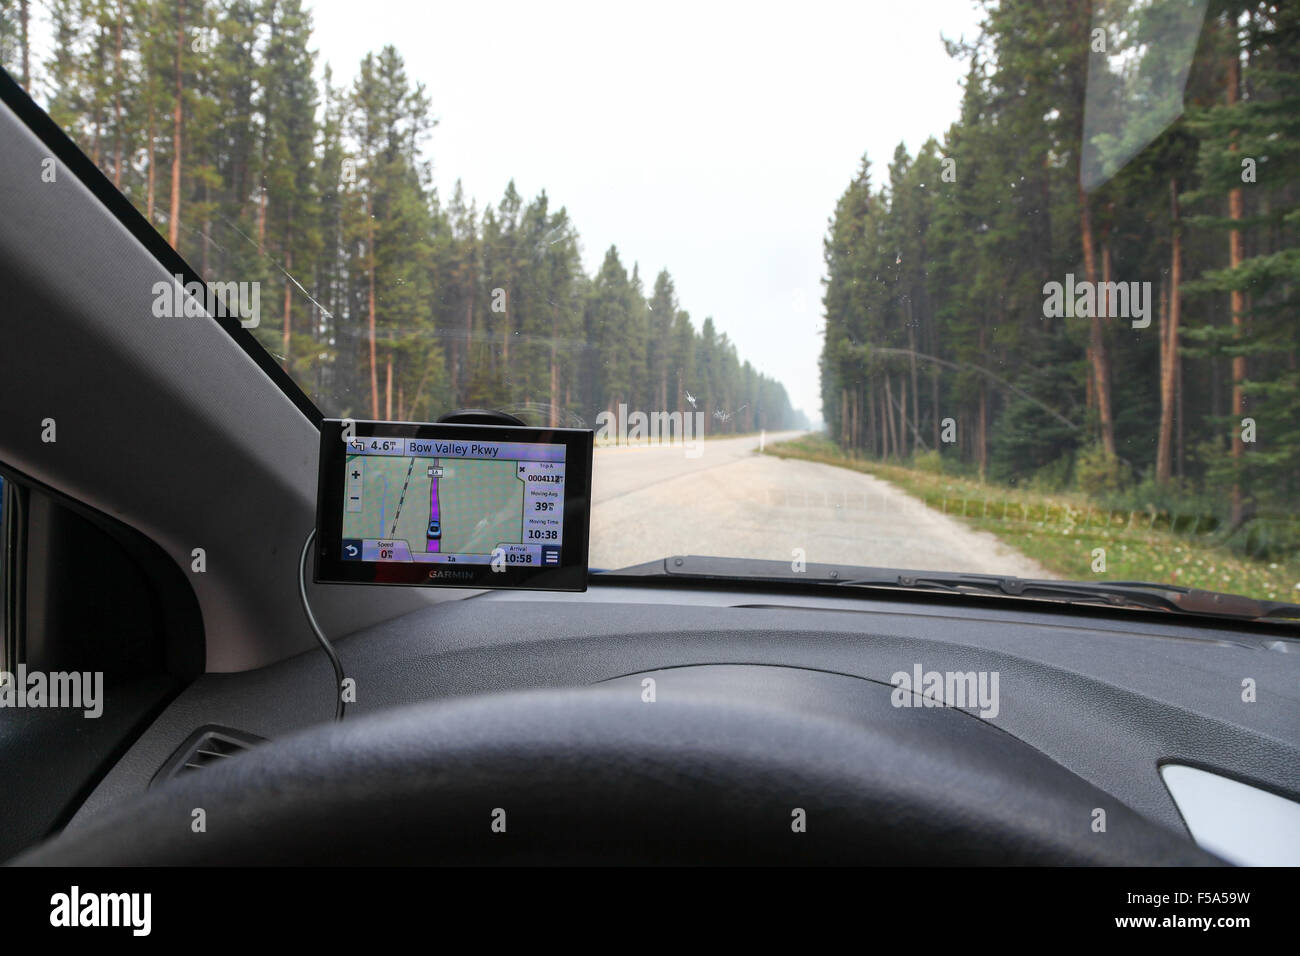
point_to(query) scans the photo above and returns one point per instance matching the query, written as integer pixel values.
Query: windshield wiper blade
(1143, 594)
(1165, 597)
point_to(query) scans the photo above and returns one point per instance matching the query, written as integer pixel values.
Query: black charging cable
(320, 635)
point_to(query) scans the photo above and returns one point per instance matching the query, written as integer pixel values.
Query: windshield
(1001, 287)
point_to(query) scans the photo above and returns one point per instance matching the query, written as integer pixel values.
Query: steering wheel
(600, 775)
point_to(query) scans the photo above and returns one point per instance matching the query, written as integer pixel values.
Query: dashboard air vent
(206, 747)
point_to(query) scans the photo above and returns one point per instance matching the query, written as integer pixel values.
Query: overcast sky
(712, 139)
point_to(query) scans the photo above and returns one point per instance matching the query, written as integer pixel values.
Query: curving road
(651, 502)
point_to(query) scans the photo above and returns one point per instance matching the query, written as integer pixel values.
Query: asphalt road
(724, 498)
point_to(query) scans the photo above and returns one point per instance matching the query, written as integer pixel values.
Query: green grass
(1060, 531)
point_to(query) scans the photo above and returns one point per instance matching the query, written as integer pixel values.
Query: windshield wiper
(1141, 594)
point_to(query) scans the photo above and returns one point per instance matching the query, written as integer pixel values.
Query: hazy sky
(709, 138)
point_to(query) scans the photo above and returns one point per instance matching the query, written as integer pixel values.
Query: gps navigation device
(453, 505)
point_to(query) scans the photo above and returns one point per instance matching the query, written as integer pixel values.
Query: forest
(1153, 145)
(380, 297)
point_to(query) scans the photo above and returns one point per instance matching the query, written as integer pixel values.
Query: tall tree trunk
(1097, 340)
(453, 366)
(174, 225)
(469, 333)
(374, 360)
(117, 97)
(505, 336)
(854, 407)
(886, 420)
(95, 107)
(916, 390)
(876, 402)
(388, 390)
(982, 450)
(862, 411)
(846, 425)
(288, 266)
(934, 401)
(872, 429)
(268, 111)
(1238, 304)
(982, 427)
(26, 42)
(889, 415)
(1169, 361)
(902, 417)
(153, 135)
(555, 371)
(261, 221)
(1179, 417)
(876, 399)
(207, 227)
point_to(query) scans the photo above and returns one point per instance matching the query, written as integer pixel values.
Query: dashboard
(1110, 699)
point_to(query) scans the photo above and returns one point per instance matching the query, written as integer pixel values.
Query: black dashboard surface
(1108, 697)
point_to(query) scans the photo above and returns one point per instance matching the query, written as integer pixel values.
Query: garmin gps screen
(453, 505)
